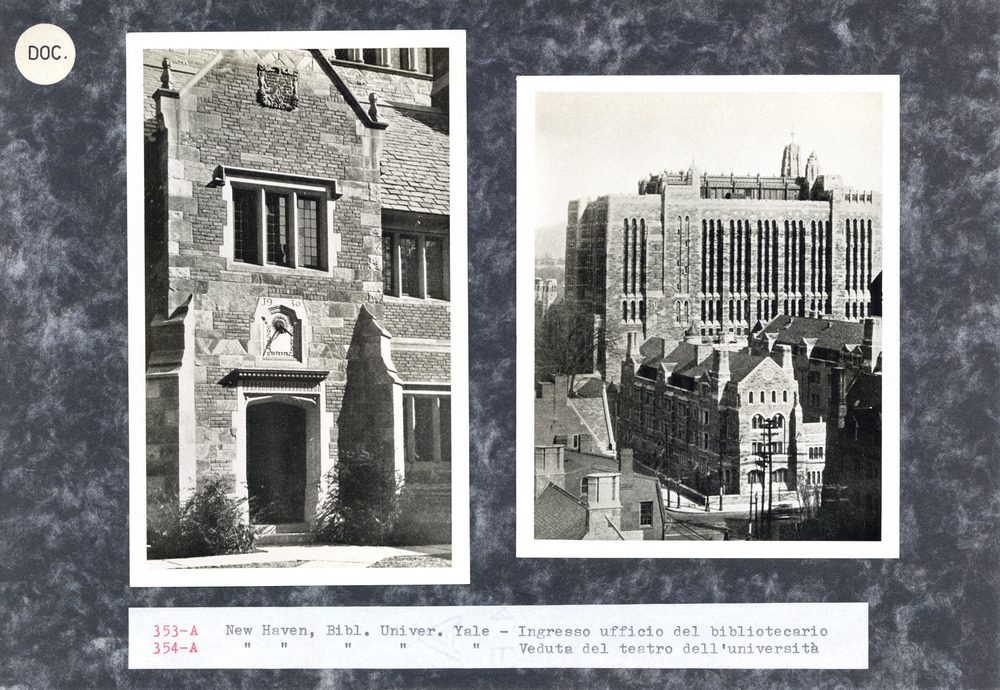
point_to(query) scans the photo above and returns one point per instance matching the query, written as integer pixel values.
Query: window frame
(264, 185)
(427, 416)
(421, 228)
(645, 514)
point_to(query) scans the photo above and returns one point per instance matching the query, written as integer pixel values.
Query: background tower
(790, 159)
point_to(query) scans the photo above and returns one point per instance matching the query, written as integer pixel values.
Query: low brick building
(297, 273)
(581, 495)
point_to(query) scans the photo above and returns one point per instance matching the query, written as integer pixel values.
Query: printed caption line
(824, 635)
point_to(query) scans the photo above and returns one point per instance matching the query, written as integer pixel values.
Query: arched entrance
(276, 462)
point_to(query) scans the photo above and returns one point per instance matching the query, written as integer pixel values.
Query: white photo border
(527, 89)
(141, 575)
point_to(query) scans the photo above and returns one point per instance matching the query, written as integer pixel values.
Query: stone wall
(221, 123)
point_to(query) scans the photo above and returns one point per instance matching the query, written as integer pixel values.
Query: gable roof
(829, 334)
(415, 152)
(741, 362)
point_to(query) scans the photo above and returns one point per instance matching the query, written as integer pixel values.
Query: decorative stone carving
(277, 88)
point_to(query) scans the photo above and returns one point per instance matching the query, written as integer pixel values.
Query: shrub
(210, 523)
(362, 503)
(163, 523)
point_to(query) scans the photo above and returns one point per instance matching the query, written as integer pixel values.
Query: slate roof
(559, 515)
(416, 365)
(415, 172)
(588, 387)
(741, 363)
(829, 334)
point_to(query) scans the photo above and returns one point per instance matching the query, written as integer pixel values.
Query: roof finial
(165, 75)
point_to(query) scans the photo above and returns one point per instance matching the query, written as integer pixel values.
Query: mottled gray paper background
(64, 590)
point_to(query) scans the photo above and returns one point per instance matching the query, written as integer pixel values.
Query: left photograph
(298, 309)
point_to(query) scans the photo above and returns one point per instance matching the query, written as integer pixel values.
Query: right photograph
(713, 331)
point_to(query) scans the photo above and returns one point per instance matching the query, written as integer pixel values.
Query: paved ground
(738, 505)
(306, 556)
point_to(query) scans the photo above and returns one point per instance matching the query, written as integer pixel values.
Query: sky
(592, 144)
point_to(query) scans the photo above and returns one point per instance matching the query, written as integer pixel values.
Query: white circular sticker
(44, 53)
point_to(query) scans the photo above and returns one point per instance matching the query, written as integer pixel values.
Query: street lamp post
(769, 432)
(722, 445)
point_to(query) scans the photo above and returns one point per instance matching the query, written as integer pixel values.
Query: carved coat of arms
(277, 88)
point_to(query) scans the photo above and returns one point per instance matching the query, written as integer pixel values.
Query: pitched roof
(588, 462)
(559, 515)
(828, 333)
(741, 363)
(591, 413)
(415, 173)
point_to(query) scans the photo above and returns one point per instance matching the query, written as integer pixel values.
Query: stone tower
(790, 159)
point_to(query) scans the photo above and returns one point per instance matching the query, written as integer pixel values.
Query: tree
(567, 343)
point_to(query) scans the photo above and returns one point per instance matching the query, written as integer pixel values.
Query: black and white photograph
(645, 344)
(297, 325)
(708, 317)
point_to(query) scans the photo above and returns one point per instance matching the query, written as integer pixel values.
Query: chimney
(604, 508)
(784, 358)
(625, 459)
(549, 467)
(872, 342)
(838, 395)
(585, 443)
(544, 390)
(440, 87)
(561, 390)
(720, 367)
(792, 448)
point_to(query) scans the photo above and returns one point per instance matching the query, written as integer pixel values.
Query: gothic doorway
(276, 462)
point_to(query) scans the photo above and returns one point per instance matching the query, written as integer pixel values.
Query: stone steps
(284, 534)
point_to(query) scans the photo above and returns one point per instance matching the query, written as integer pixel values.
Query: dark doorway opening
(276, 463)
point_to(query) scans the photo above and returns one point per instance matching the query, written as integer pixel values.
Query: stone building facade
(699, 415)
(818, 347)
(297, 273)
(720, 252)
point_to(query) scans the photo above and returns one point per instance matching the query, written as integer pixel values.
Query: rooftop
(415, 171)
(829, 334)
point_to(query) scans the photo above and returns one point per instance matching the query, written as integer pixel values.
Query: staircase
(284, 534)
